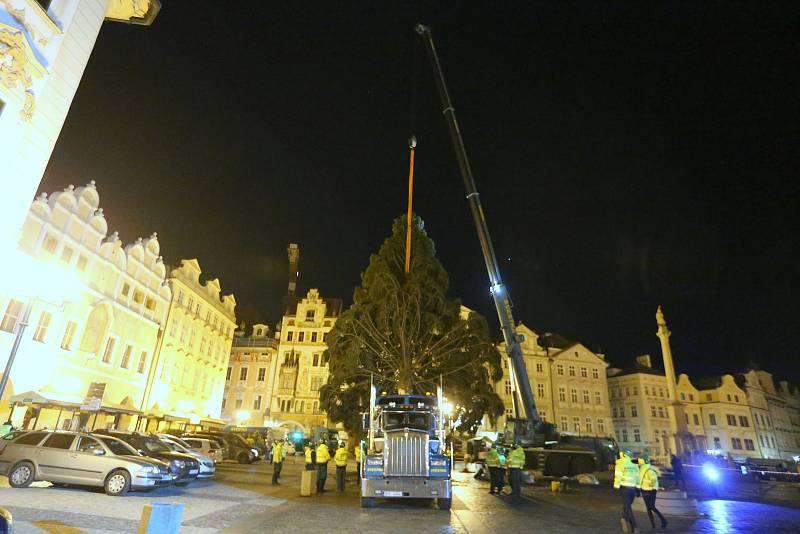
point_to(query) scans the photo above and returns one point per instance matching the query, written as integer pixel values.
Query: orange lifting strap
(412, 143)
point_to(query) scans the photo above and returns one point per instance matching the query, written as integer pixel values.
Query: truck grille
(405, 454)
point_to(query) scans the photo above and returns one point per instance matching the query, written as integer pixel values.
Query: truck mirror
(365, 421)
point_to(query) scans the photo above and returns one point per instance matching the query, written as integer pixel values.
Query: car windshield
(117, 446)
(153, 445)
(175, 446)
(179, 441)
(14, 434)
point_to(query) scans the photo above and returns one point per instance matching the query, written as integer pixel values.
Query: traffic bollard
(161, 518)
(308, 483)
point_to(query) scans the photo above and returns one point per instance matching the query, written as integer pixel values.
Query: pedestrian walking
(340, 458)
(310, 457)
(626, 479)
(357, 452)
(648, 481)
(516, 462)
(677, 471)
(323, 456)
(493, 463)
(277, 462)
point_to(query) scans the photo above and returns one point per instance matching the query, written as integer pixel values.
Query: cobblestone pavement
(242, 500)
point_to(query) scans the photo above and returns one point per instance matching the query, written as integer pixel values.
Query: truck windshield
(394, 420)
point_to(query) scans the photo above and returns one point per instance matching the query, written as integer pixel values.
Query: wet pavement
(242, 500)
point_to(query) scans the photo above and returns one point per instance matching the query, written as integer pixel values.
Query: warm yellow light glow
(447, 408)
(27, 276)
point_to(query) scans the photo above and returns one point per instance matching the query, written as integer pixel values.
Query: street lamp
(36, 280)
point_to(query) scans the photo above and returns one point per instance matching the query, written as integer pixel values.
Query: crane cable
(412, 144)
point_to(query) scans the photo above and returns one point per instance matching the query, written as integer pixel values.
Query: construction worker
(493, 463)
(648, 477)
(310, 456)
(323, 457)
(277, 461)
(340, 458)
(516, 462)
(626, 478)
(357, 452)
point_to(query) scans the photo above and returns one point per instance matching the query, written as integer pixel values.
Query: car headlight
(150, 469)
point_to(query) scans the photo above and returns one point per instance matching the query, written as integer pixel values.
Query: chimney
(644, 361)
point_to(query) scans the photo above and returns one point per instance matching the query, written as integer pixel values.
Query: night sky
(626, 156)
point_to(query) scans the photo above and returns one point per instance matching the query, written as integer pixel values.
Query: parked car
(209, 447)
(78, 458)
(237, 448)
(183, 467)
(207, 468)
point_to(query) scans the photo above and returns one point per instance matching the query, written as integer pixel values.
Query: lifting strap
(412, 143)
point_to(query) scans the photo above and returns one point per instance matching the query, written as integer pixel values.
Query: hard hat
(644, 459)
(627, 452)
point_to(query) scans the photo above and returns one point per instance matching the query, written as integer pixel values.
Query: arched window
(96, 327)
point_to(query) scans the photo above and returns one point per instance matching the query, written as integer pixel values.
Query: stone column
(677, 421)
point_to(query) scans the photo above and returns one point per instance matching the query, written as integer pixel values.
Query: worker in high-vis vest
(340, 459)
(310, 456)
(626, 479)
(277, 461)
(357, 453)
(323, 457)
(493, 463)
(515, 463)
(648, 477)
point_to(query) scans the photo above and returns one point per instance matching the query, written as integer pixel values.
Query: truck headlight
(439, 463)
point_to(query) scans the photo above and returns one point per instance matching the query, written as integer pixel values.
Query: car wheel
(117, 483)
(444, 504)
(21, 475)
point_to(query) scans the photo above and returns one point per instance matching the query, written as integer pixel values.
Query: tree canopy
(404, 332)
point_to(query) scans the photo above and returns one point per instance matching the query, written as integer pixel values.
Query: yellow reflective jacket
(323, 456)
(340, 457)
(277, 453)
(516, 458)
(357, 453)
(626, 473)
(492, 458)
(649, 477)
(309, 459)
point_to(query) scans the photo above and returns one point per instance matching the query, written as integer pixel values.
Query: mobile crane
(544, 449)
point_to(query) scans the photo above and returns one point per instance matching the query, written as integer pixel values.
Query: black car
(183, 467)
(236, 448)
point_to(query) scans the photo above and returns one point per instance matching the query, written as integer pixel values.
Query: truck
(545, 450)
(405, 455)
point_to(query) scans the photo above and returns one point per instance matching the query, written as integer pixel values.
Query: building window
(627, 391)
(289, 335)
(731, 419)
(562, 395)
(228, 374)
(316, 383)
(622, 411)
(13, 312)
(507, 385)
(238, 403)
(586, 396)
(636, 435)
(126, 289)
(595, 374)
(736, 443)
(262, 373)
(597, 398)
(142, 362)
(560, 369)
(126, 357)
(539, 368)
(257, 403)
(743, 421)
(614, 412)
(661, 412)
(574, 395)
(635, 390)
(601, 427)
(243, 373)
(41, 328)
(646, 390)
(634, 413)
(660, 392)
(287, 380)
(313, 337)
(571, 370)
(309, 315)
(109, 350)
(589, 427)
(749, 445)
(584, 372)
(150, 303)
(540, 390)
(81, 263)
(69, 335)
(315, 407)
(625, 434)
(717, 444)
(564, 424)
(712, 419)
(576, 424)
(138, 296)
(315, 361)
(66, 254)
(50, 244)
(301, 336)
(691, 397)
(682, 396)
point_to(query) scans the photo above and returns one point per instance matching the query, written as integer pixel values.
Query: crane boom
(502, 301)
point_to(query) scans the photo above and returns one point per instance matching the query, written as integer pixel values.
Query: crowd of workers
(317, 458)
(636, 477)
(497, 463)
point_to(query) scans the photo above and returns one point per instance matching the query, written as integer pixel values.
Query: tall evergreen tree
(404, 332)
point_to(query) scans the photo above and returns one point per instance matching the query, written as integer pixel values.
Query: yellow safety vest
(340, 457)
(277, 453)
(322, 454)
(649, 477)
(492, 458)
(516, 460)
(309, 460)
(626, 473)
(357, 452)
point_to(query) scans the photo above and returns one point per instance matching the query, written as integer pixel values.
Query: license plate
(193, 472)
(392, 493)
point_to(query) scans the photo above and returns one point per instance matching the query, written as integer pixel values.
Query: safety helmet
(644, 459)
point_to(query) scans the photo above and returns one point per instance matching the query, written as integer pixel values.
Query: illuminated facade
(250, 378)
(44, 48)
(192, 356)
(297, 368)
(106, 335)
(568, 385)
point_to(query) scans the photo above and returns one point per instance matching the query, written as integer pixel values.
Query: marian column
(677, 419)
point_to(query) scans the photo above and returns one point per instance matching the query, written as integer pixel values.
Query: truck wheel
(444, 504)
(367, 502)
(21, 475)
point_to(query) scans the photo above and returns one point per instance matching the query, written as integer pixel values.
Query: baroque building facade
(250, 379)
(568, 382)
(44, 48)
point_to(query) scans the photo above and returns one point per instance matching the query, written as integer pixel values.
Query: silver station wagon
(81, 459)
